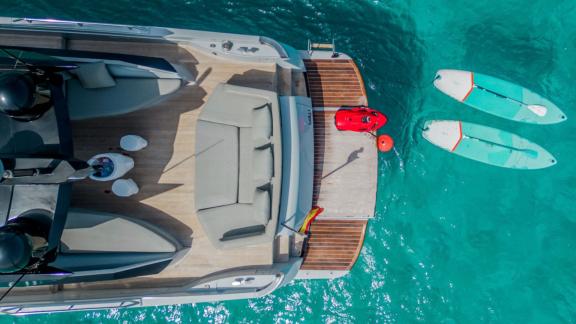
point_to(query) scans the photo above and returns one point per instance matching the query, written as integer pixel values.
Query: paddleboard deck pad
(498, 97)
(488, 145)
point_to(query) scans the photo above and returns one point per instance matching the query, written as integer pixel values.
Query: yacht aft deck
(165, 172)
(337, 237)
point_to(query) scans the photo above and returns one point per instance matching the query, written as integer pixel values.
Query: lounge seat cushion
(92, 231)
(262, 206)
(127, 96)
(128, 71)
(263, 164)
(94, 76)
(232, 107)
(233, 226)
(245, 177)
(262, 124)
(217, 157)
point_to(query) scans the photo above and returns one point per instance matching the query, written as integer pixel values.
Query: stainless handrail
(21, 310)
(279, 48)
(77, 25)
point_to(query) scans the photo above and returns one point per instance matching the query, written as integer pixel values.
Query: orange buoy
(385, 143)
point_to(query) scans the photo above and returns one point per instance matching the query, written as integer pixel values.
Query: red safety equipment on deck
(359, 119)
(385, 143)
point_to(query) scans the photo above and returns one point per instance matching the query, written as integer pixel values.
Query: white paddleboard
(486, 144)
(498, 97)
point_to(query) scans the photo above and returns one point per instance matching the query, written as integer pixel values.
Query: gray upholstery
(217, 157)
(245, 174)
(127, 96)
(263, 164)
(126, 71)
(100, 90)
(261, 205)
(94, 76)
(262, 125)
(92, 231)
(239, 221)
(233, 224)
(232, 108)
(235, 167)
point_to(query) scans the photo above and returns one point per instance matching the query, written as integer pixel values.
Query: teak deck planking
(333, 244)
(344, 163)
(334, 83)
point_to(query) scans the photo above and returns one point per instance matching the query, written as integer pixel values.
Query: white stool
(125, 187)
(133, 143)
(115, 165)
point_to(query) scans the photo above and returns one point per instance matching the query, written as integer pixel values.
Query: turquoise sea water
(453, 241)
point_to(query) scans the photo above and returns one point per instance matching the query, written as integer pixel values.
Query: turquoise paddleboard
(498, 97)
(487, 145)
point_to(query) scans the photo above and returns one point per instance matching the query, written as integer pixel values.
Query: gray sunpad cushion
(219, 220)
(246, 220)
(217, 158)
(261, 124)
(262, 206)
(246, 174)
(263, 164)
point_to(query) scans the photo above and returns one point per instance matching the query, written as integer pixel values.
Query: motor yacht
(146, 166)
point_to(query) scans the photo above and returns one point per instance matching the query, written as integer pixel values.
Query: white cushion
(262, 207)
(261, 124)
(217, 165)
(94, 76)
(245, 178)
(263, 165)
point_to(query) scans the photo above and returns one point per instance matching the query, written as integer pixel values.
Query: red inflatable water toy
(359, 119)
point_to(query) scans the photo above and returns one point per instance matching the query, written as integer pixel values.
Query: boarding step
(333, 244)
(330, 47)
(334, 83)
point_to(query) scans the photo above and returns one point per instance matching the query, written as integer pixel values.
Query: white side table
(125, 187)
(133, 143)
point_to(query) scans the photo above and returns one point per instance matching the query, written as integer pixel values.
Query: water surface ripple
(453, 241)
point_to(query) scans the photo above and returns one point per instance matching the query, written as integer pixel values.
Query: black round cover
(17, 93)
(15, 250)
